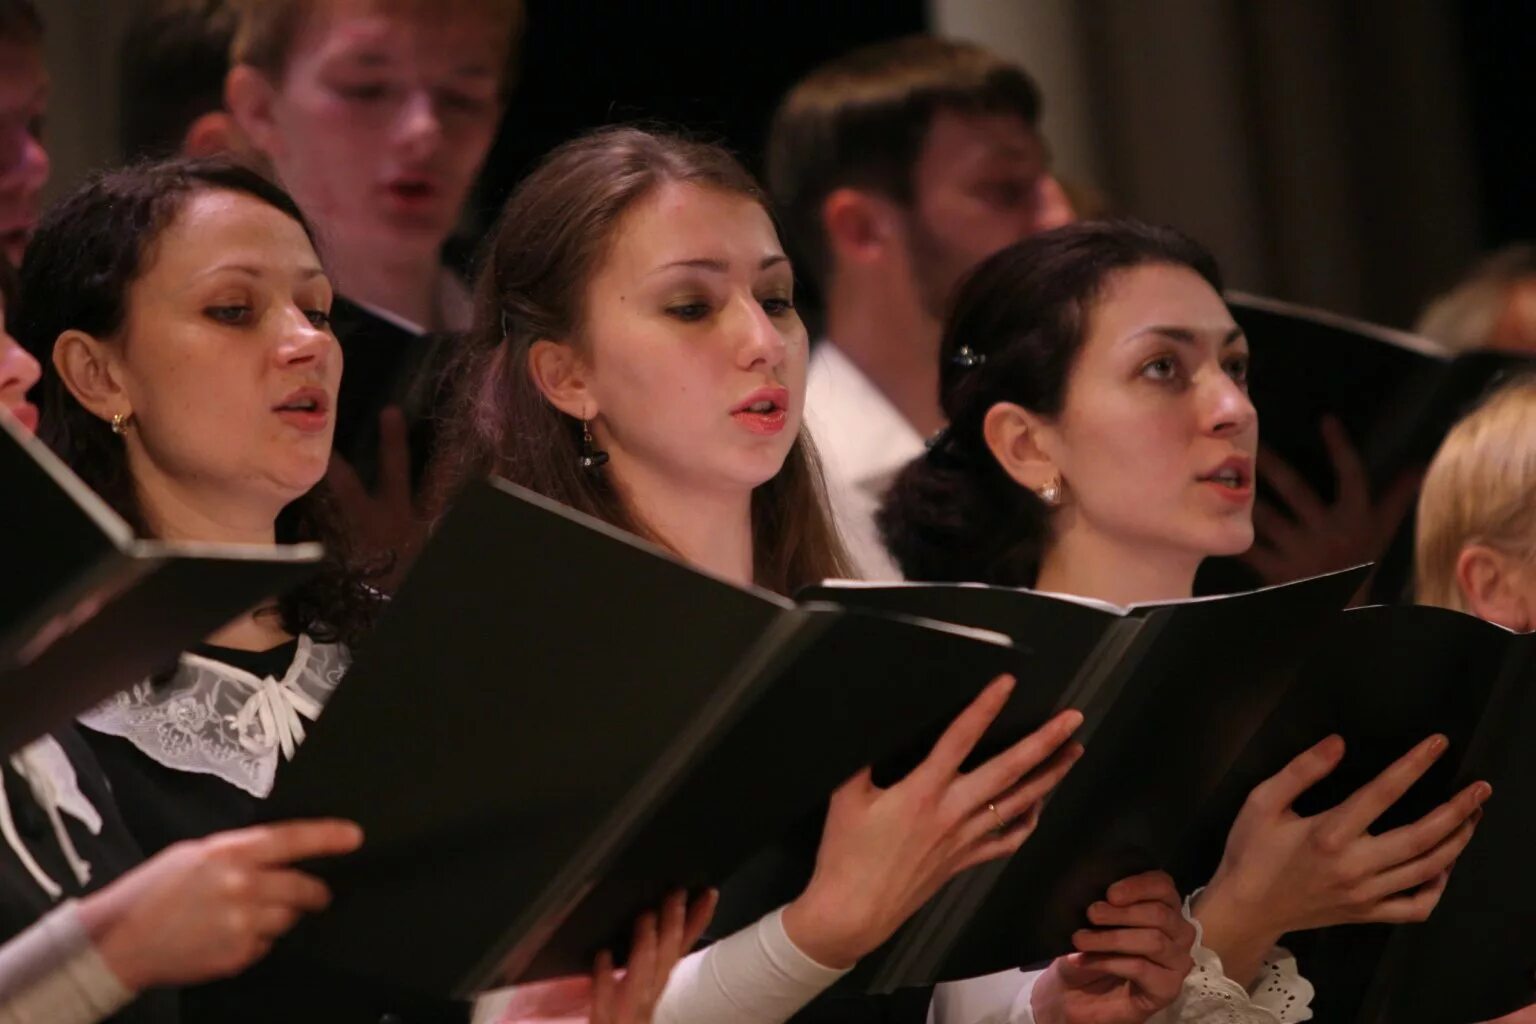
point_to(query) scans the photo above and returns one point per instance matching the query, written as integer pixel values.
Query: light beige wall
(1322, 149)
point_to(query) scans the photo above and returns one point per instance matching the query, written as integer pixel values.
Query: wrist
(1237, 930)
(99, 915)
(812, 924)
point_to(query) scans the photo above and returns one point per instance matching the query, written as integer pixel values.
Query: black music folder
(555, 724)
(1170, 695)
(1385, 678)
(87, 610)
(388, 363)
(1395, 394)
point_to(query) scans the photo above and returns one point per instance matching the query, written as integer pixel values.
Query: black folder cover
(1385, 679)
(1396, 395)
(86, 609)
(556, 723)
(1170, 695)
(387, 364)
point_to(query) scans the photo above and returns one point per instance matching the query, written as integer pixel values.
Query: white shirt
(864, 442)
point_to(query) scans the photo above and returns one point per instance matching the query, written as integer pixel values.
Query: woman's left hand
(619, 997)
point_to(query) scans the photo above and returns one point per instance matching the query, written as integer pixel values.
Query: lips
(1233, 476)
(25, 414)
(308, 409)
(764, 411)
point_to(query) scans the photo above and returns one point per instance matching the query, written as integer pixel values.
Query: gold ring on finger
(1002, 826)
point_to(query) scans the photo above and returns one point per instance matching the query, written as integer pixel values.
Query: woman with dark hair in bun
(1101, 443)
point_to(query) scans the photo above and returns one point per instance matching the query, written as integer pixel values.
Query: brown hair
(1480, 489)
(268, 29)
(547, 246)
(1465, 318)
(861, 120)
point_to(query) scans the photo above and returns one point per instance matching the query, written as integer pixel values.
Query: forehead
(959, 141)
(215, 227)
(23, 79)
(682, 221)
(1157, 294)
(467, 32)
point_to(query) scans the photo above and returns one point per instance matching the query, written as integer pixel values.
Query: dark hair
(20, 23)
(1022, 318)
(174, 58)
(861, 120)
(547, 246)
(9, 288)
(81, 265)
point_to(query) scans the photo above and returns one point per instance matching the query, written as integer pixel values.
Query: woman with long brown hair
(637, 356)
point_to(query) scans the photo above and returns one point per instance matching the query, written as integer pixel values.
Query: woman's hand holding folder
(629, 996)
(1130, 965)
(1283, 872)
(885, 852)
(209, 908)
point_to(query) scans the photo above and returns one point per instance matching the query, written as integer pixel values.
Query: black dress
(164, 804)
(109, 853)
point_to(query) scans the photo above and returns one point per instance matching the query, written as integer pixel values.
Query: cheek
(1126, 460)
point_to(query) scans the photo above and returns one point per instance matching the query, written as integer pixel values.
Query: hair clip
(967, 358)
(939, 437)
(506, 325)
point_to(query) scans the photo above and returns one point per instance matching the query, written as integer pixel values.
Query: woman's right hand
(209, 908)
(884, 852)
(1283, 872)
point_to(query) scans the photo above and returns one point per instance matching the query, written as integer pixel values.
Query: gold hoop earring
(120, 423)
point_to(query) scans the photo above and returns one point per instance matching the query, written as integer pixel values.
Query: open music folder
(1386, 678)
(87, 609)
(1396, 395)
(555, 724)
(1170, 693)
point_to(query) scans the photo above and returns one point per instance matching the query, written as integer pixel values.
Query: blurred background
(1350, 154)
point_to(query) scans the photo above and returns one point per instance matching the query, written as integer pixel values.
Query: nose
(760, 343)
(24, 164)
(19, 372)
(1053, 208)
(1226, 409)
(304, 345)
(419, 129)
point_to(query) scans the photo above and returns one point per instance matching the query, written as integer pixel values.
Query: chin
(1232, 541)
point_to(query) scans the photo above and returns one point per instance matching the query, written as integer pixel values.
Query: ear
(859, 225)
(250, 96)
(561, 377)
(89, 370)
(1494, 587)
(1019, 441)
(212, 134)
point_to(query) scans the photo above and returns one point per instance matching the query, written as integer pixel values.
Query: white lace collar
(216, 719)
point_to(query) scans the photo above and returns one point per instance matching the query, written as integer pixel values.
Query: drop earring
(592, 458)
(1051, 493)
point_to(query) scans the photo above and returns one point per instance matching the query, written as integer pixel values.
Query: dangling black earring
(591, 457)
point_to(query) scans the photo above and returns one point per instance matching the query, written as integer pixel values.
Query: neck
(710, 530)
(406, 286)
(174, 513)
(893, 341)
(178, 514)
(1086, 564)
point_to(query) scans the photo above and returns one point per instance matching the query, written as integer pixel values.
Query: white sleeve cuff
(1001, 998)
(52, 973)
(1280, 996)
(756, 976)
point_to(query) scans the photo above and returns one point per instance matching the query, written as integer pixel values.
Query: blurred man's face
(383, 120)
(23, 161)
(982, 182)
